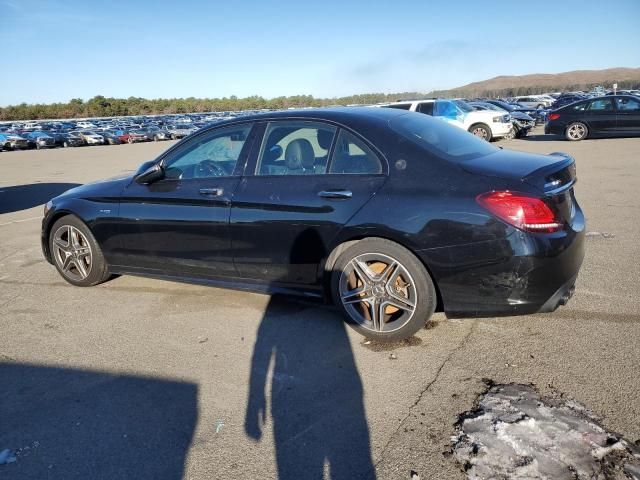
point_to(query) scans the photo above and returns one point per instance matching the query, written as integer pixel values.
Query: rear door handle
(335, 194)
(212, 192)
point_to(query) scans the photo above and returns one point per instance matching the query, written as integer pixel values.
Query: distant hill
(511, 85)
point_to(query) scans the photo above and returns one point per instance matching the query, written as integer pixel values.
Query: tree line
(100, 106)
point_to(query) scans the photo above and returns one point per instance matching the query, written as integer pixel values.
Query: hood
(110, 187)
(521, 116)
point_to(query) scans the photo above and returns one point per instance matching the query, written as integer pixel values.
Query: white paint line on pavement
(20, 221)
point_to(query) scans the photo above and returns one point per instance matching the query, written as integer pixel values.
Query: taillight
(554, 116)
(521, 211)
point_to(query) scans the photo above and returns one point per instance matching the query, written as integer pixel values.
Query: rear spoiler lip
(564, 161)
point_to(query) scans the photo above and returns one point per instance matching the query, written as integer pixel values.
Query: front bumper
(499, 129)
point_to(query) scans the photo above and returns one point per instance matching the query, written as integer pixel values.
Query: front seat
(299, 157)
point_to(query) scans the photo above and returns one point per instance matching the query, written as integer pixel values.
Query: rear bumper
(554, 129)
(521, 274)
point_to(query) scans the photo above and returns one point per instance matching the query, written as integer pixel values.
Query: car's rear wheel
(481, 130)
(76, 253)
(382, 289)
(576, 131)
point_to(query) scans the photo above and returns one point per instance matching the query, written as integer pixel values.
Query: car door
(600, 115)
(179, 225)
(628, 115)
(308, 179)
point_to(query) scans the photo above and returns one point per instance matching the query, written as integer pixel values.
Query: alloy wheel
(72, 252)
(576, 131)
(480, 132)
(378, 292)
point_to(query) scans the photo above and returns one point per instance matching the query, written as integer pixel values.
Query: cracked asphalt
(141, 378)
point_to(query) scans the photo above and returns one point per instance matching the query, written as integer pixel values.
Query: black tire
(129, 140)
(65, 144)
(422, 295)
(481, 130)
(98, 270)
(576, 131)
(539, 106)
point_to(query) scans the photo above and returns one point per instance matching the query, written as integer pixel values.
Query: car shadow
(23, 197)
(315, 394)
(543, 138)
(79, 424)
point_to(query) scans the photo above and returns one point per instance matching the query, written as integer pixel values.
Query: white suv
(482, 123)
(533, 101)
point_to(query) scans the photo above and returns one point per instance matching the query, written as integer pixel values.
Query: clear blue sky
(55, 50)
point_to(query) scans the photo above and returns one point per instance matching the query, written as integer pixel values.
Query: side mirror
(152, 174)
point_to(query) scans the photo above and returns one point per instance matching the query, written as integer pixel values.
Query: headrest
(324, 139)
(299, 154)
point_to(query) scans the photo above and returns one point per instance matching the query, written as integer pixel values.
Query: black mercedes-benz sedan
(612, 115)
(392, 215)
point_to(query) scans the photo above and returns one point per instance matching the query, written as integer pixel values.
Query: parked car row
(576, 115)
(112, 131)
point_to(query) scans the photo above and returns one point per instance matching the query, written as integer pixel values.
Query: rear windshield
(441, 139)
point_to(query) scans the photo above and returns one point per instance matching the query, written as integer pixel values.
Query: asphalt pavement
(148, 379)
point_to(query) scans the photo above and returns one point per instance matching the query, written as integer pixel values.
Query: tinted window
(579, 107)
(602, 105)
(352, 155)
(400, 106)
(212, 155)
(295, 148)
(445, 108)
(627, 104)
(426, 107)
(441, 139)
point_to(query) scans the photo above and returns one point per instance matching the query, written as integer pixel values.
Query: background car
(484, 124)
(40, 139)
(532, 102)
(90, 137)
(180, 131)
(11, 141)
(392, 214)
(521, 122)
(616, 115)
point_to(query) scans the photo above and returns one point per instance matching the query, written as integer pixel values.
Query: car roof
(341, 115)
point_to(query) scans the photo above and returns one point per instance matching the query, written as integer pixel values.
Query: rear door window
(426, 107)
(400, 106)
(601, 105)
(295, 148)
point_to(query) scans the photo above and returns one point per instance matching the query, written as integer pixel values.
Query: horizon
(216, 53)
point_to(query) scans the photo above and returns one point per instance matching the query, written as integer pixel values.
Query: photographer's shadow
(316, 394)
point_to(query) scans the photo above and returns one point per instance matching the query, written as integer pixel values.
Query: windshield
(441, 139)
(462, 105)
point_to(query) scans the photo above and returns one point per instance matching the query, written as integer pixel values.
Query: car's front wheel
(576, 131)
(481, 130)
(76, 253)
(383, 290)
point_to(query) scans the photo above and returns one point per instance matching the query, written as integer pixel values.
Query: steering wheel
(208, 168)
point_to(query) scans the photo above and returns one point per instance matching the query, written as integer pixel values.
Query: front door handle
(212, 192)
(335, 194)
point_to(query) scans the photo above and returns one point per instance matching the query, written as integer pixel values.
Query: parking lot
(141, 378)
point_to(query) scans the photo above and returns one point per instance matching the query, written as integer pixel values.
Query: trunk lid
(553, 175)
